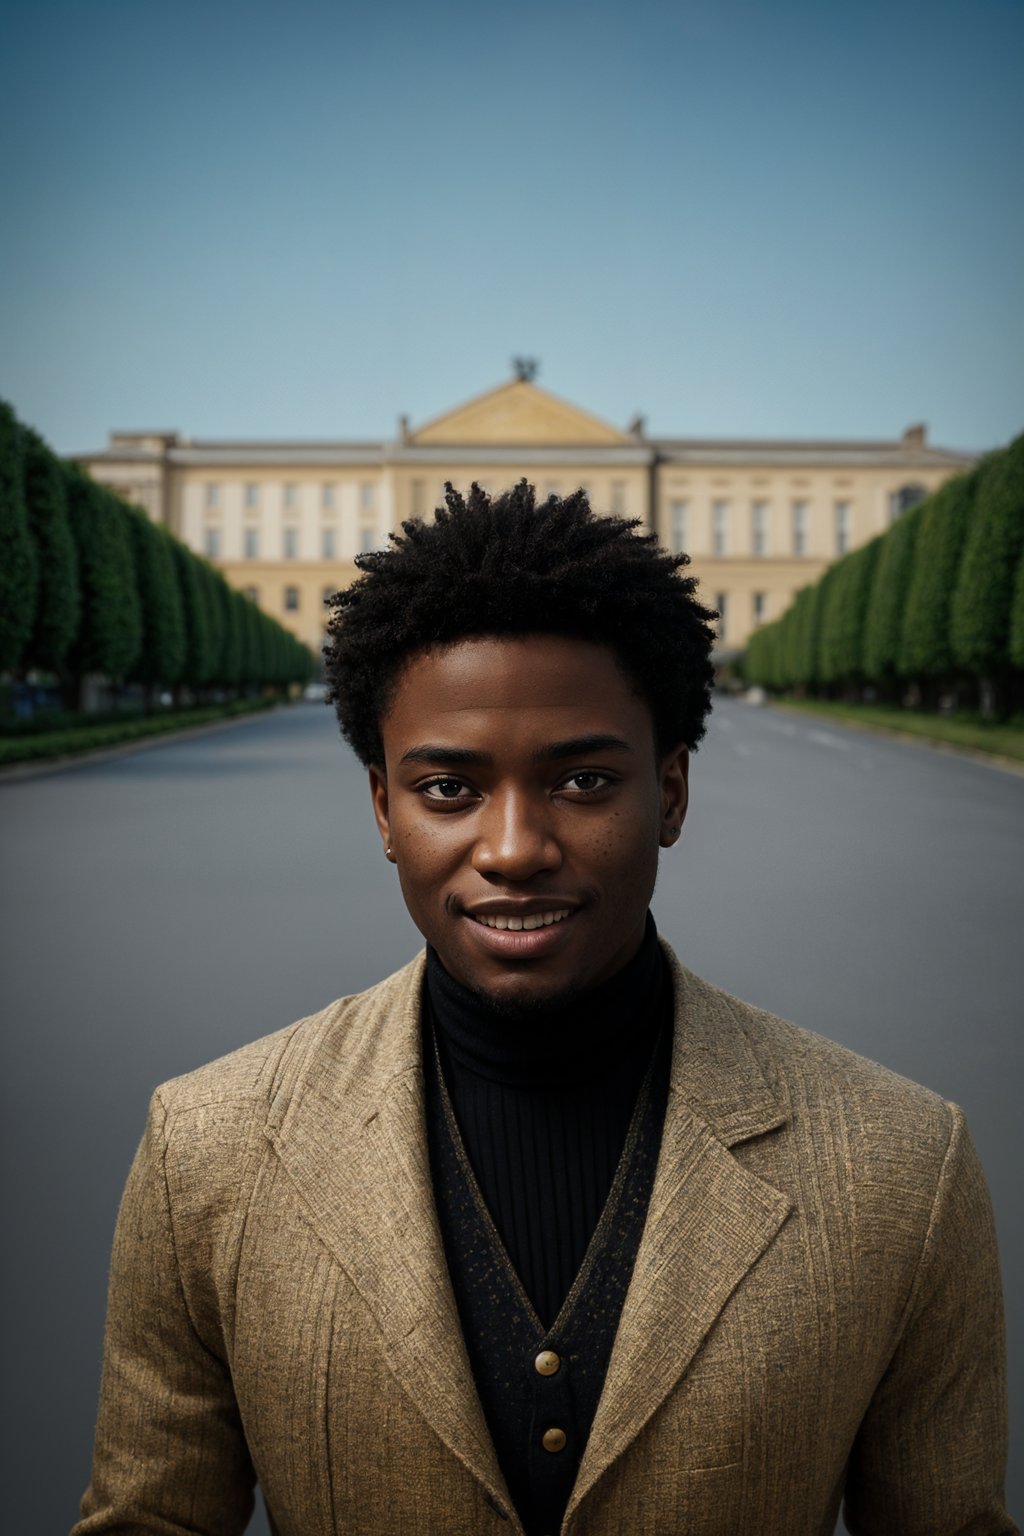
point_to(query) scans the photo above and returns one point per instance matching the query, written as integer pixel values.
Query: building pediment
(518, 414)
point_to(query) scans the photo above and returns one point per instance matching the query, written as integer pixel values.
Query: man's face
(524, 805)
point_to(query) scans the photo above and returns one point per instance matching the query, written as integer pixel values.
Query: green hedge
(886, 608)
(109, 638)
(161, 659)
(88, 585)
(18, 570)
(58, 598)
(983, 599)
(939, 597)
(926, 651)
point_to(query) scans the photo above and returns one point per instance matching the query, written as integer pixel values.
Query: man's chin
(521, 998)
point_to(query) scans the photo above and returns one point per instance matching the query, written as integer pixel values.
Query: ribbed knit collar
(572, 1043)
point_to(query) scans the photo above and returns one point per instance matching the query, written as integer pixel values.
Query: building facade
(284, 521)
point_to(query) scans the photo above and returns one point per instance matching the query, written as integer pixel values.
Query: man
(543, 1233)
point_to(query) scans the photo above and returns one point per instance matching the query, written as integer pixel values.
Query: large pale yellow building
(761, 519)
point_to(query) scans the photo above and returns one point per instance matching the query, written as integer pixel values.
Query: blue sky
(757, 217)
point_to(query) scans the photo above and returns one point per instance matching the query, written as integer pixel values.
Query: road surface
(165, 907)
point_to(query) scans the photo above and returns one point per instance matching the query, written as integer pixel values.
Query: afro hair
(507, 566)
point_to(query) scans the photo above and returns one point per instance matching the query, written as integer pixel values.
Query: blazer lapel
(350, 1133)
(708, 1222)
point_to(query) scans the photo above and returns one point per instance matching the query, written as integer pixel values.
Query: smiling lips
(521, 924)
(524, 936)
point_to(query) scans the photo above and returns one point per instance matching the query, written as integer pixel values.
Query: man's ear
(379, 793)
(673, 778)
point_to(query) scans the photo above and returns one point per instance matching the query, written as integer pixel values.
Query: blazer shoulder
(823, 1083)
(261, 1072)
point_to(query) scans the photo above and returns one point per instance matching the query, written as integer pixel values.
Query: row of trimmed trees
(932, 609)
(88, 585)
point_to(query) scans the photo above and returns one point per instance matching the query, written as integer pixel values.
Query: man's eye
(586, 783)
(446, 789)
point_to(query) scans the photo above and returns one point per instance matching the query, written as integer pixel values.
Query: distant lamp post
(525, 368)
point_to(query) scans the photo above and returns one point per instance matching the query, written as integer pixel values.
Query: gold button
(547, 1362)
(553, 1440)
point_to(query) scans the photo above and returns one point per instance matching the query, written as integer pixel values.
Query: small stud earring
(388, 854)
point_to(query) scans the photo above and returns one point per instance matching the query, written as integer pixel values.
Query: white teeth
(524, 924)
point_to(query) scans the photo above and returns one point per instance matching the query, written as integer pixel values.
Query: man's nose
(516, 838)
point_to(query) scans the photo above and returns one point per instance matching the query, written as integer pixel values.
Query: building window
(719, 527)
(722, 605)
(211, 543)
(367, 539)
(619, 498)
(251, 496)
(677, 514)
(759, 528)
(906, 497)
(328, 543)
(419, 498)
(367, 495)
(291, 599)
(252, 593)
(328, 593)
(799, 527)
(842, 527)
(251, 543)
(291, 543)
(212, 495)
(291, 496)
(759, 607)
(327, 497)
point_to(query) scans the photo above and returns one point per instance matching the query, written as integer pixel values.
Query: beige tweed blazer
(815, 1304)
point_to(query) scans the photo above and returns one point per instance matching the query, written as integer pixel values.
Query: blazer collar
(348, 1125)
(709, 1220)
(347, 1122)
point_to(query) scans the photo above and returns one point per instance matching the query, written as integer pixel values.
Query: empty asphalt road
(164, 907)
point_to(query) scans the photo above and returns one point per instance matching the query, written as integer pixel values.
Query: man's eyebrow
(448, 757)
(580, 746)
(555, 751)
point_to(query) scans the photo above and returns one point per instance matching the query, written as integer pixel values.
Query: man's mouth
(521, 924)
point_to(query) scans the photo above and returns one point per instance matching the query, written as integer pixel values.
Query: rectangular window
(367, 539)
(291, 599)
(252, 496)
(419, 498)
(211, 543)
(722, 604)
(327, 497)
(212, 495)
(252, 593)
(799, 527)
(759, 607)
(759, 528)
(328, 543)
(291, 543)
(719, 527)
(619, 498)
(842, 527)
(328, 593)
(251, 543)
(367, 495)
(291, 496)
(677, 515)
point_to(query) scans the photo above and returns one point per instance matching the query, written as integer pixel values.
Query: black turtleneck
(543, 1101)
